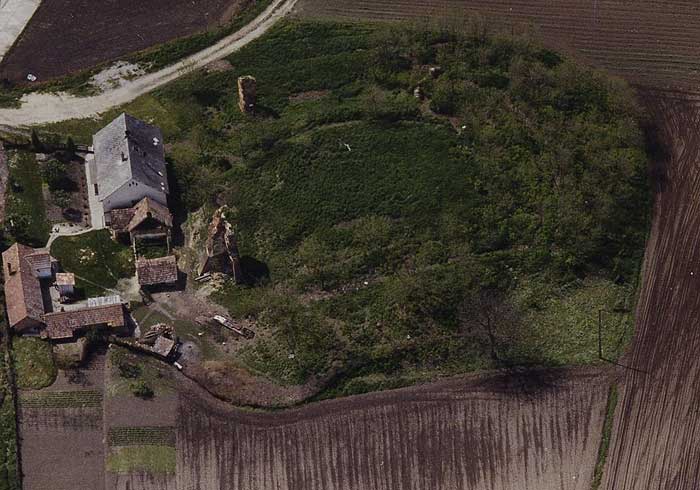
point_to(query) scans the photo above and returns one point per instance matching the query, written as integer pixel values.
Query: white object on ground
(42, 108)
(14, 16)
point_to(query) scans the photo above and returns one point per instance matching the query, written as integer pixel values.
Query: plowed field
(495, 433)
(65, 36)
(651, 43)
(656, 444)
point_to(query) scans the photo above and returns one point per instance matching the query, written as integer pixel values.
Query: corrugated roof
(128, 148)
(63, 324)
(162, 270)
(22, 288)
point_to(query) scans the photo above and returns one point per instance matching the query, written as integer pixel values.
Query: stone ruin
(221, 250)
(247, 94)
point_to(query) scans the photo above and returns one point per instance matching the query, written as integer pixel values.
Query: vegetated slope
(650, 43)
(65, 36)
(656, 442)
(540, 431)
(382, 233)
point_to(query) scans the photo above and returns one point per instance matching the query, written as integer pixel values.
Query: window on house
(96, 190)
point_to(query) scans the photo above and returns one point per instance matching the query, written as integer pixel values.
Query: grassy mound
(483, 225)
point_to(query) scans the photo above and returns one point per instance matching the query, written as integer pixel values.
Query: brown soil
(65, 36)
(656, 442)
(61, 449)
(538, 431)
(647, 42)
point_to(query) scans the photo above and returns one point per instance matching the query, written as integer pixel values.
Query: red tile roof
(22, 288)
(63, 324)
(162, 270)
(128, 219)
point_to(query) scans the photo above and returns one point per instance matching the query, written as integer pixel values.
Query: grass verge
(34, 363)
(151, 459)
(605, 440)
(98, 260)
(26, 210)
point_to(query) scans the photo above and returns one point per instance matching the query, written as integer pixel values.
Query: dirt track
(65, 36)
(483, 434)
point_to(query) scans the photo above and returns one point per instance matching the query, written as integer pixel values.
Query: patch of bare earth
(61, 448)
(656, 442)
(540, 431)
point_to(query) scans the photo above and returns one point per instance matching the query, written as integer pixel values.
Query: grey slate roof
(129, 148)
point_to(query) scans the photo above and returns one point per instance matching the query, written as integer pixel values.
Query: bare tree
(490, 317)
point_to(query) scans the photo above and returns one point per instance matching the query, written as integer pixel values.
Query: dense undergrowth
(483, 226)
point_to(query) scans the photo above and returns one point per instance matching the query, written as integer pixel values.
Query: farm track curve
(655, 46)
(497, 432)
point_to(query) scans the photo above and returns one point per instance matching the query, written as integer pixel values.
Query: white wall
(129, 194)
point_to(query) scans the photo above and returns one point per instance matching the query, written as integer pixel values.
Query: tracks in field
(656, 46)
(40, 108)
(649, 43)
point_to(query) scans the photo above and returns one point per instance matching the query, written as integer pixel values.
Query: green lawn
(379, 230)
(152, 459)
(98, 260)
(34, 363)
(26, 211)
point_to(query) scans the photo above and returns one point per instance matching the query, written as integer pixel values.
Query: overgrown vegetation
(481, 227)
(97, 260)
(34, 363)
(26, 211)
(9, 471)
(135, 375)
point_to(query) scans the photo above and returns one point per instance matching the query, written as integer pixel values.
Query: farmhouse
(147, 220)
(29, 276)
(128, 165)
(25, 268)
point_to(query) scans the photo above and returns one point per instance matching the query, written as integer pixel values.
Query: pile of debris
(221, 249)
(160, 339)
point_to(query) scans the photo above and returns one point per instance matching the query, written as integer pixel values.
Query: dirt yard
(541, 432)
(65, 36)
(650, 43)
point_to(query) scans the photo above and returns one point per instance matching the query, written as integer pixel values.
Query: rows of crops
(135, 436)
(62, 399)
(648, 43)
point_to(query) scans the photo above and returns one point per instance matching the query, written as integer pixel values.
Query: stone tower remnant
(247, 94)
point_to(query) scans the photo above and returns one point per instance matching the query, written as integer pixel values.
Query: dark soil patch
(66, 36)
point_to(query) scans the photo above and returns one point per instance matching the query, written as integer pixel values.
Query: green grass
(34, 363)
(373, 226)
(155, 460)
(62, 399)
(26, 210)
(605, 438)
(98, 260)
(9, 470)
(148, 369)
(141, 436)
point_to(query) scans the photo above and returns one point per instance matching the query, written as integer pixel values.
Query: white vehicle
(178, 365)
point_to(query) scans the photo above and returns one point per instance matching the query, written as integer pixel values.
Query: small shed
(160, 271)
(65, 283)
